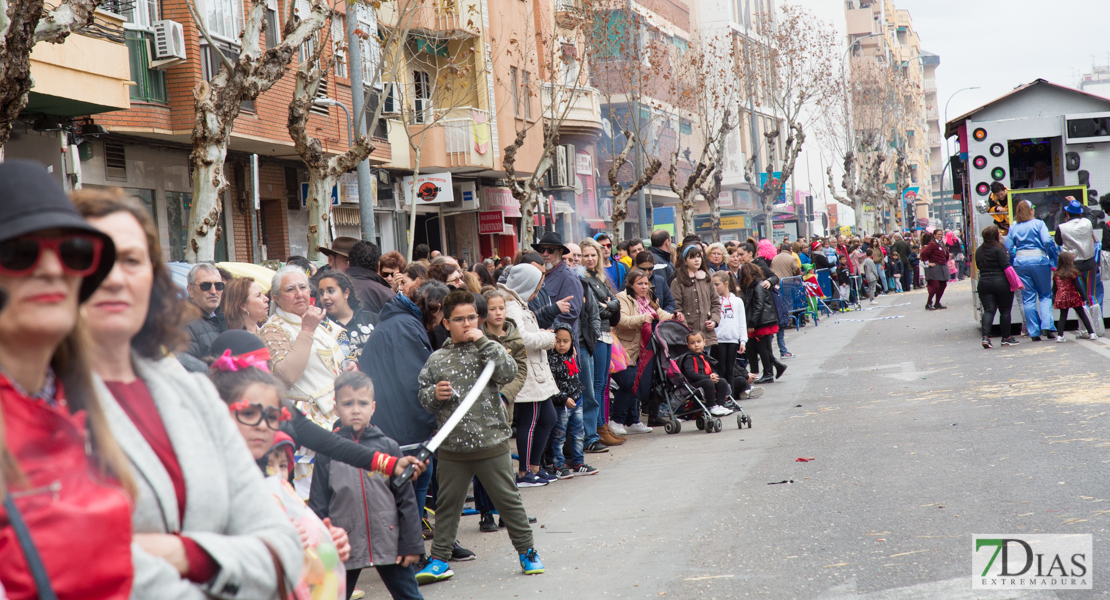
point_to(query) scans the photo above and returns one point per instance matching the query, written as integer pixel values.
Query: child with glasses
(479, 444)
(254, 398)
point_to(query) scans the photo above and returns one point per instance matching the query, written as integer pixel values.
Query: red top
(81, 524)
(136, 401)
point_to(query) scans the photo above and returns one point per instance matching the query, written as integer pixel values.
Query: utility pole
(358, 96)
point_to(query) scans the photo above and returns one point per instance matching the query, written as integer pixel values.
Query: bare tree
(791, 74)
(707, 89)
(217, 103)
(558, 54)
(627, 71)
(24, 23)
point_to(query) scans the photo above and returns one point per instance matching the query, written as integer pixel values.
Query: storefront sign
(431, 188)
(585, 195)
(724, 199)
(776, 178)
(491, 222)
(495, 198)
(702, 224)
(583, 163)
(744, 200)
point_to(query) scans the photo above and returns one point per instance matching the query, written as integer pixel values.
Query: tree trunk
(208, 187)
(318, 203)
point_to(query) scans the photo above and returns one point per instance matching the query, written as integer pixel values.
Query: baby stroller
(679, 399)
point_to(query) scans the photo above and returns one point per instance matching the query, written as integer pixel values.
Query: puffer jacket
(382, 521)
(484, 429)
(515, 346)
(203, 331)
(698, 303)
(539, 384)
(627, 332)
(759, 305)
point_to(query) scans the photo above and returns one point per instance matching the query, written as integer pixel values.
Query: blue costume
(1033, 254)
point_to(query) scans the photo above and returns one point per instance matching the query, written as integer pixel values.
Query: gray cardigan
(228, 510)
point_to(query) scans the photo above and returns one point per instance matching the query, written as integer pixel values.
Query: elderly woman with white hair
(304, 352)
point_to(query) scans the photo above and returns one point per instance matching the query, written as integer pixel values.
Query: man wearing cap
(206, 289)
(561, 283)
(338, 253)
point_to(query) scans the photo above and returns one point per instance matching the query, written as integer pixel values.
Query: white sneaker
(719, 411)
(1094, 336)
(617, 429)
(1061, 339)
(755, 392)
(636, 428)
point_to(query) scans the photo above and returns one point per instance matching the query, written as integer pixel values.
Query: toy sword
(425, 450)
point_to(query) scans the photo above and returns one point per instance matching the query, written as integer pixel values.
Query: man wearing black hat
(561, 283)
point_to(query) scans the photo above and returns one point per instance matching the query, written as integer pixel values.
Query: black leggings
(995, 295)
(760, 350)
(1082, 314)
(535, 420)
(725, 355)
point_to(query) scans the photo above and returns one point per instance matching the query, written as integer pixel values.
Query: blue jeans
(420, 484)
(781, 341)
(590, 404)
(625, 407)
(567, 420)
(603, 353)
(1035, 273)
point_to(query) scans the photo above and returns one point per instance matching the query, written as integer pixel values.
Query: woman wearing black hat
(65, 523)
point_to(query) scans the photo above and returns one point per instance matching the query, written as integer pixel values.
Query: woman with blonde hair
(65, 484)
(1033, 254)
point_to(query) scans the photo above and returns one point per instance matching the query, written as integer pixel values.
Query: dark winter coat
(605, 298)
(514, 344)
(372, 291)
(203, 332)
(697, 367)
(662, 291)
(570, 386)
(664, 264)
(544, 309)
(561, 281)
(589, 325)
(759, 307)
(397, 350)
(765, 266)
(382, 522)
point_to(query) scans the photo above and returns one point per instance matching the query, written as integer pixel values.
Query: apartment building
(880, 32)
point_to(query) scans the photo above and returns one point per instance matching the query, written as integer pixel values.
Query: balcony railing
(930, 85)
(585, 102)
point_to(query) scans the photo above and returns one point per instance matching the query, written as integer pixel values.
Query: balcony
(935, 141)
(931, 113)
(859, 21)
(88, 74)
(930, 85)
(445, 20)
(584, 112)
(456, 139)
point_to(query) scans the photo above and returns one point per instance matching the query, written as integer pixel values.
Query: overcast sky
(1000, 44)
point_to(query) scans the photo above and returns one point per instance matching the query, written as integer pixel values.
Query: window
(210, 65)
(338, 34)
(525, 96)
(273, 25)
(150, 84)
(369, 48)
(422, 94)
(140, 13)
(514, 88)
(225, 18)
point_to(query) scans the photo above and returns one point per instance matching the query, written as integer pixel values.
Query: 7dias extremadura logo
(1029, 562)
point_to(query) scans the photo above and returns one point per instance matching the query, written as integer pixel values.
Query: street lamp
(947, 151)
(331, 102)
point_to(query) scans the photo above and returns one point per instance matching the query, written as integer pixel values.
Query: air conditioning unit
(169, 44)
(561, 173)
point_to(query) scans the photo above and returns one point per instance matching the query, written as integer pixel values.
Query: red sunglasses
(78, 253)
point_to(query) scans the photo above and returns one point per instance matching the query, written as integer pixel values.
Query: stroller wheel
(700, 422)
(710, 426)
(672, 426)
(717, 425)
(749, 421)
(740, 419)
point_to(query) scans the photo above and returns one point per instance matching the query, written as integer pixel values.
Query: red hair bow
(259, 359)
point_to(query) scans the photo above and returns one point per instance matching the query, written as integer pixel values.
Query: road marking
(709, 577)
(1096, 348)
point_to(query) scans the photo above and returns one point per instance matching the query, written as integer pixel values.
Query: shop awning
(595, 223)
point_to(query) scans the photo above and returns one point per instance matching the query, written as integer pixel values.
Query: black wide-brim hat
(551, 239)
(31, 200)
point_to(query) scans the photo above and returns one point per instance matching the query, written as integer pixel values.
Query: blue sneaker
(437, 570)
(530, 562)
(530, 479)
(546, 475)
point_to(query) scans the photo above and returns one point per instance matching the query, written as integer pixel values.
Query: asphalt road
(918, 438)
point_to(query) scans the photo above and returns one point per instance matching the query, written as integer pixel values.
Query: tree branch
(202, 26)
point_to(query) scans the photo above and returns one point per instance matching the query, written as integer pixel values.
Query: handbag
(1094, 314)
(30, 552)
(937, 273)
(1104, 274)
(1015, 281)
(619, 360)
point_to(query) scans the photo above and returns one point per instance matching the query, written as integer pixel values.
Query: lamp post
(947, 151)
(332, 102)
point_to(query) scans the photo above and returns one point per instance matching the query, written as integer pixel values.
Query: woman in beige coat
(638, 309)
(694, 296)
(535, 415)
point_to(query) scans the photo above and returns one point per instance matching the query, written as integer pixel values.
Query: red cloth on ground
(135, 400)
(1067, 296)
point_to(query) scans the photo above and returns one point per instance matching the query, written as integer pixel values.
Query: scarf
(643, 305)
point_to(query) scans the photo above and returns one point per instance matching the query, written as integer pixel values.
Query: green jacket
(484, 431)
(515, 345)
